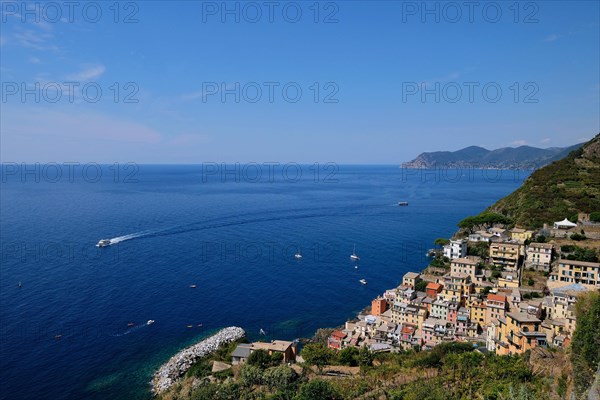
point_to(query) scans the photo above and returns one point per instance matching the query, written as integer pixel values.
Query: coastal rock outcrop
(177, 365)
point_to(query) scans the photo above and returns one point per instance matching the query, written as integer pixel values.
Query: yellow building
(466, 265)
(517, 333)
(505, 255)
(581, 272)
(456, 286)
(410, 279)
(520, 235)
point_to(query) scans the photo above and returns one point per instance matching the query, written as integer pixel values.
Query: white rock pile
(177, 365)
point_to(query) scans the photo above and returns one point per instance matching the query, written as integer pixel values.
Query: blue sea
(230, 230)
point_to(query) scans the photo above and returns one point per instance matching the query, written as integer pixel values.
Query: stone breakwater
(177, 365)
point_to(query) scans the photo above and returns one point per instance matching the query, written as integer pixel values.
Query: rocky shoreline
(177, 365)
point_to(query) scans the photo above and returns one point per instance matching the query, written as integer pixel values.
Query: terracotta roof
(434, 286)
(496, 297)
(338, 334)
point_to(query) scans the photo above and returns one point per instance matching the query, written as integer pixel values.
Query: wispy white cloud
(34, 39)
(34, 60)
(545, 140)
(88, 74)
(519, 142)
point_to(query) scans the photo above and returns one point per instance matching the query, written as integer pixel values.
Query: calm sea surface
(234, 236)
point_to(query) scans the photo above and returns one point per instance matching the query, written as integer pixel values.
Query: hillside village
(505, 291)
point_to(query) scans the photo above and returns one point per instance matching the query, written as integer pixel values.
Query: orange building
(378, 306)
(433, 289)
(335, 341)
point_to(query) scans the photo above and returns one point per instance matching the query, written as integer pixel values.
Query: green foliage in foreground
(459, 373)
(585, 348)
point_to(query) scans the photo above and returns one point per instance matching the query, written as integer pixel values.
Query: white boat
(363, 281)
(298, 256)
(353, 255)
(403, 203)
(150, 322)
(103, 243)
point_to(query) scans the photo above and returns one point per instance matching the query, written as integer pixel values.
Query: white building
(539, 256)
(455, 249)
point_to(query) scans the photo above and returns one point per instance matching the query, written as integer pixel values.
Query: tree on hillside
(317, 390)
(317, 354)
(260, 359)
(441, 242)
(585, 346)
(485, 220)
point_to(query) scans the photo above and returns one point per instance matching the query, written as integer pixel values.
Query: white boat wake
(133, 329)
(120, 239)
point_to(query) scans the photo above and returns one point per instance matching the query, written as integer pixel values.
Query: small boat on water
(20, 285)
(298, 256)
(57, 337)
(103, 243)
(130, 324)
(150, 322)
(353, 256)
(262, 332)
(190, 326)
(363, 281)
(193, 286)
(403, 203)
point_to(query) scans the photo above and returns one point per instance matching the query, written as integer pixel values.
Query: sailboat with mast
(353, 256)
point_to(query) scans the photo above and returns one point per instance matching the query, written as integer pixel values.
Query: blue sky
(371, 61)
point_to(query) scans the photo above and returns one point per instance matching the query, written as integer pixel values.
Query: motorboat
(130, 324)
(403, 203)
(193, 286)
(103, 243)
(150, 322)
(363, 281)
(298, 256)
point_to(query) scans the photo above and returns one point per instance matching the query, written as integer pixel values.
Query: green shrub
(578, 236)
(317, 390)
(348, 356)
(279, 378)
(260, 358)
(250, 375)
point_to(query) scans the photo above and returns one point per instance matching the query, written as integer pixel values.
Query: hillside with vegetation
(522, 157)
(450, 371)
(557, 191)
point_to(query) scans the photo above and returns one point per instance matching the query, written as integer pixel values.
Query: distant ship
(403, 203)
(353, 255)
(363, 281)
(298, 255)
(103, 243)
(150, 322)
